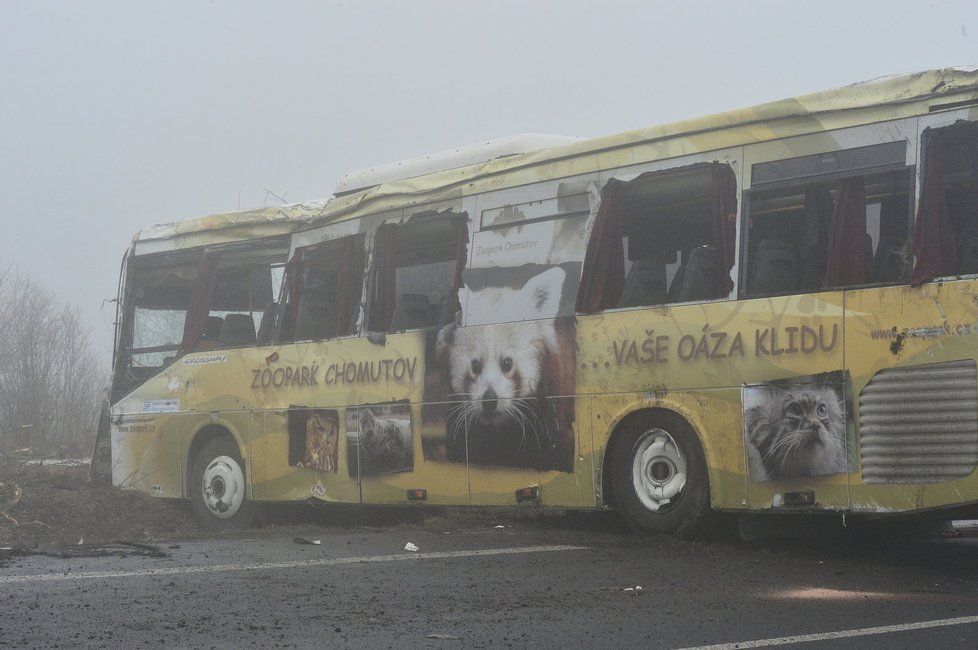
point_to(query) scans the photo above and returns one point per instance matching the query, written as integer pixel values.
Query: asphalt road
(475, 582)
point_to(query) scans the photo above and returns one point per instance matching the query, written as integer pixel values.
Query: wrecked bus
(773, 309)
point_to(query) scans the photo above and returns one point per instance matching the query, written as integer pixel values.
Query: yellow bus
(773, 309)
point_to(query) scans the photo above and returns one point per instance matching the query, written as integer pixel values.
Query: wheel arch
(201, 437)
(648, 416)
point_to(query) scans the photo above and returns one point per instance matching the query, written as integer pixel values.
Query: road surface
(482, 582)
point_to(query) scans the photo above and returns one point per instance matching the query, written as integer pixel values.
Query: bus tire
(659, 479)
(218, 489)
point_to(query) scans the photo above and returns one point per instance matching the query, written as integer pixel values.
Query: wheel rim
(223, 487)
(658, 470)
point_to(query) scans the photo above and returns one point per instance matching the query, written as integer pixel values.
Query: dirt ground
(59, 506)
(61, 512)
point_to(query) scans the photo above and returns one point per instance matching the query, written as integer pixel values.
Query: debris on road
(410, 547)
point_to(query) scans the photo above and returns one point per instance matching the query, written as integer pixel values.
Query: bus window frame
(420, 216)
(274, 252)
(126, 315)
(302, 254)
(744, 263)
(705, 163)
(132, 265)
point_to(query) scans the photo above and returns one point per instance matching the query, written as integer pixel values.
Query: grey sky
(119, 115)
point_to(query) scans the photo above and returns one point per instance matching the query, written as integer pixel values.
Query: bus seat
(677, 281)
(697, 279)
(411, 311)
(212, 329)
(238, 329)
(314, 320)
(267, 319)
(774, 269)
(645, 285)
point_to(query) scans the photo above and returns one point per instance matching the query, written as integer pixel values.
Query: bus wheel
(218, 486)
(660, 481)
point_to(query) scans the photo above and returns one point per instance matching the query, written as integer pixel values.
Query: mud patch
(59, 508)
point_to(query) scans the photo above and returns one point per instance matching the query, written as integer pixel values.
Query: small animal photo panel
(799, 427)
(379, 439)
(313, 438)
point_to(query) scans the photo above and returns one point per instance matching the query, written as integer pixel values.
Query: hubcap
(658, 470)
(223, 487)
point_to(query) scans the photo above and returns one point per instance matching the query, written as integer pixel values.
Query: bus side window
(324, 285)
(417, 270)
(946, 237)
(810, 230)
(236, 289)
(159, 293)
(661, 238)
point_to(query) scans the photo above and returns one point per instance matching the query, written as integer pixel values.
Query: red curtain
(200, 302)
(603, 275)
(933, 236)
(724, 223)
(846, 264)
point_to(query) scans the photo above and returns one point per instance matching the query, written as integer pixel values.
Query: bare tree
(50, 379)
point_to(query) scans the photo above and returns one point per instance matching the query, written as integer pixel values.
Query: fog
(117, 115)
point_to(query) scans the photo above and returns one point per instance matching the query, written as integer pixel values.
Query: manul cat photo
(798, 428)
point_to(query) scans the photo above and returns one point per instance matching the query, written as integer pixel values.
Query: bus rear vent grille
(920, 424)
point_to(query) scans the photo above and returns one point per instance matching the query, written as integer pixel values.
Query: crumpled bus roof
(228, 227)
(868, 101)
(878, 99)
